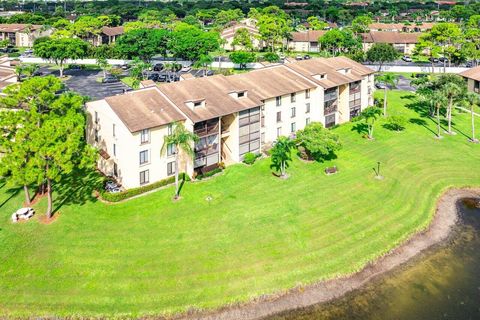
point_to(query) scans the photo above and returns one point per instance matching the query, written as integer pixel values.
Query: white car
(407, 59)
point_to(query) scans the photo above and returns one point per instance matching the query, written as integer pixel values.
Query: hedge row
(209, 173)
(119, 196)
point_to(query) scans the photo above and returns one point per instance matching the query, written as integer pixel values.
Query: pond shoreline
(445, 218)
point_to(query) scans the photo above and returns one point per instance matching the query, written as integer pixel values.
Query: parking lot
(85, 83)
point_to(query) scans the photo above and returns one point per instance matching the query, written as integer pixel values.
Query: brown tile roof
(143, 109)
(17, 27)
(112, 31)
(332, 68)
(214, 91)
(400, 26)
(473, 73)
(272, 81)
(392, 37)
(307, 36)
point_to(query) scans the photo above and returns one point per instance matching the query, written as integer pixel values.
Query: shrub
(14, 54)
(271, 57)
(209, 173)
(396, 123)
(119, 196)
(249, 158)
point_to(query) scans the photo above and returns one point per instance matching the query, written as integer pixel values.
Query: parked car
(28, 51)
(153, 76)
(299, 57)
(407, 59)
(112, 186)
(158, 67)
(186, 69)
(74, 67)
(380, 85)
(306, 57)
(110, 79)
(434, 60)
(420, 75)
(443, 59)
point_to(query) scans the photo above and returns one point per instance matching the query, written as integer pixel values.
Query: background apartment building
(22, 35)
(231, 115)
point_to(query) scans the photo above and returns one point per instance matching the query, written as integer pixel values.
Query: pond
(441, 283)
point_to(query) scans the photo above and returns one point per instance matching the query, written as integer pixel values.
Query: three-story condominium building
(231, 115)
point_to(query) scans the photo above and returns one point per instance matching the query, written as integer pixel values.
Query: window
(96, 135)
(307, 94)
(145, 136)
(249, 131)
(170, 149)
(171, 168)
(144, 177)
(115, 170)
(96, 117)
(262, 137)
(143, 156)
(279, 131)
(330, 121)
(197, 104)
(241, 94)
(293, 127)
(294, 112)
(293, 97)
(278, 101)
(279, 116)
(307, 121)
(114, 149)
(113, 129)
(307, 107)
(170, 129)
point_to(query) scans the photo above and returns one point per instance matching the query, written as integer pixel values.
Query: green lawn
(259, 235)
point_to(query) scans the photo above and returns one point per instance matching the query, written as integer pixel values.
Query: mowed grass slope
(259, 234)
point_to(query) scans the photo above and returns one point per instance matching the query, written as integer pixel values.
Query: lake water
(441, 283)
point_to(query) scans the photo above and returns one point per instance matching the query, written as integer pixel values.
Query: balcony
(206, 128)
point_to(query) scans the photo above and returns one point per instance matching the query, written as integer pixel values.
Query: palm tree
(181, 139)
(452, 92)
(388, 79)
(471, 100)
(281, 155)
(439, 101)
(370, 114)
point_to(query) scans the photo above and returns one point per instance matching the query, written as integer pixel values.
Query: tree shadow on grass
(360, 128)
(11, 193)
(421, 122)
(77, 188)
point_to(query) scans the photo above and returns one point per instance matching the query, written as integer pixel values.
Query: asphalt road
(404, 84)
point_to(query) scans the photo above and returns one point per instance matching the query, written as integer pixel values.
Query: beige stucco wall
(24, 39)
(128, 148)
(471, 85)
(271, 109)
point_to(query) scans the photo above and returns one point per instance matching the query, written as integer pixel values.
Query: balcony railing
(207, 130)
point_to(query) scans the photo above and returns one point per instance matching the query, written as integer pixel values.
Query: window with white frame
(171, 168)
(144, 177)
(307, 107)
(143, 157)
(294, 112)
(279, 131)
(278, 101)
(293, 97)
(293, 127)
(307, 121)
(145, 136)
(114, 149)
(113, 130)
(307, 94)
(170, 149)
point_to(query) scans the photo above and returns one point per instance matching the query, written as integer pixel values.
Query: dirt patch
(44, 220)
(445, 218)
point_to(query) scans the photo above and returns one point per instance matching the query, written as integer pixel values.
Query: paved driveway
(85, 83)
(404, 84)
